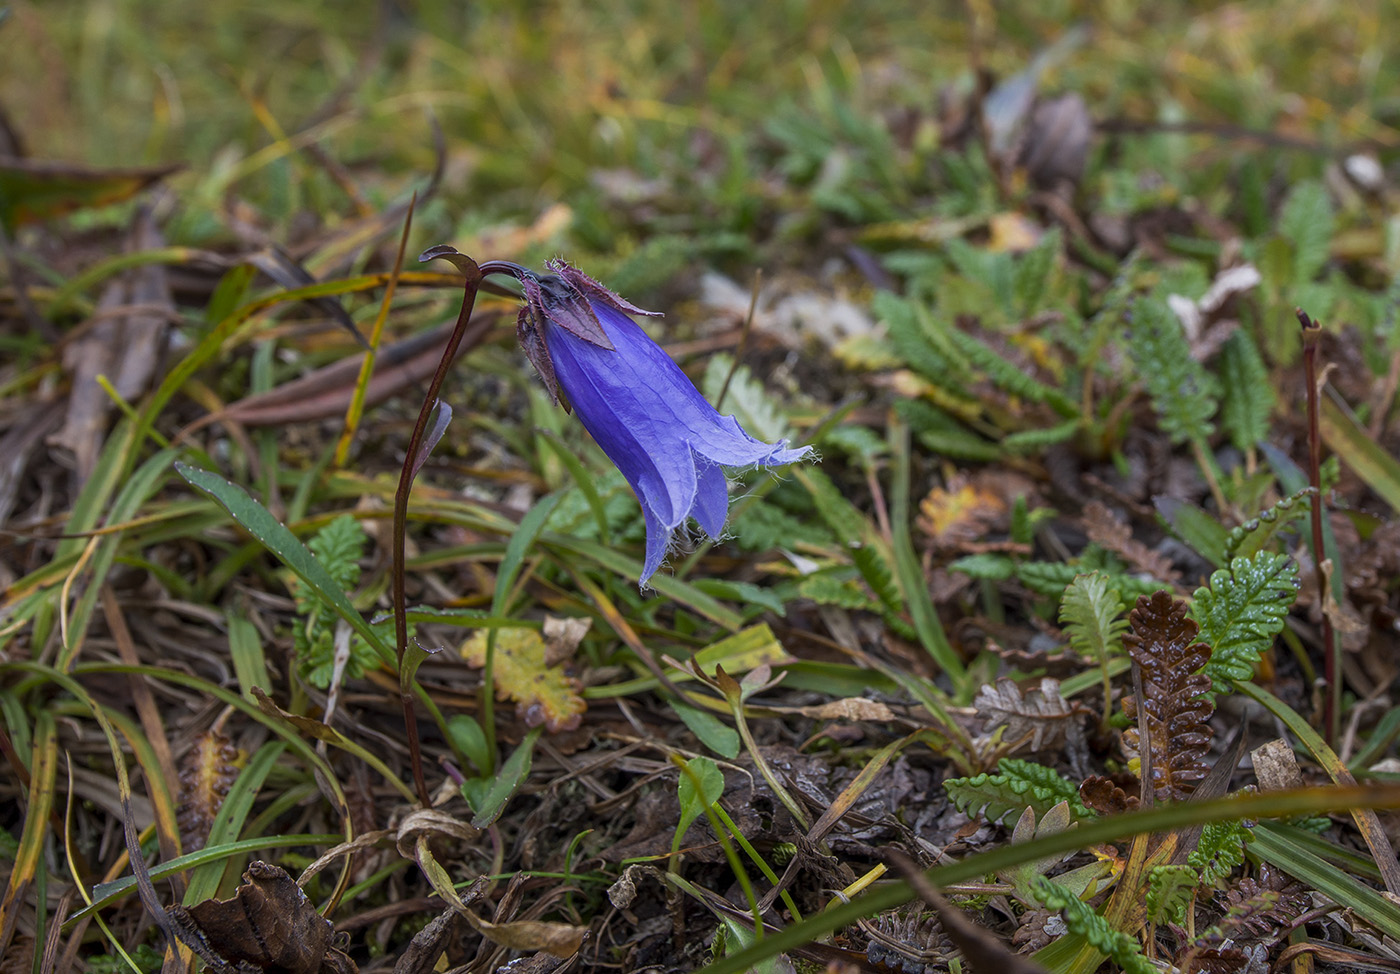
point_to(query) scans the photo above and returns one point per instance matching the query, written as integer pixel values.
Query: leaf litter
(1039, 324)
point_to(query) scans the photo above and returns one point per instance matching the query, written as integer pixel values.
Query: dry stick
(1332, 703)
(430, 402)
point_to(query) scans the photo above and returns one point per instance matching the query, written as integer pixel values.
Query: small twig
(1332, 703)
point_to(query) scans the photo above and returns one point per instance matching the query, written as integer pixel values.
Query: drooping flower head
(648, 417)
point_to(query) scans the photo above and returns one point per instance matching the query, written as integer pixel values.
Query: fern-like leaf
(1017, 785)
(338, 547)
(835, 587)
(1306, 221)
(1219, 851)
(1242, 611)
(1182, 393)
(1011, 377)
(1081, 919)
(1247, 395)
(1169, 892)
(912, 341)
(1163, 643)
(1089, 611)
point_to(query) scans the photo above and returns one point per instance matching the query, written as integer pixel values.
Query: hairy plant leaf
(1163, 643)
(542, 694)
(1247, 395)
(1016, 786)
(1182, 393)
(1242, 611)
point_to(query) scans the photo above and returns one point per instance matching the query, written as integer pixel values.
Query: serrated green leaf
(1082, 920)
(1182, 393)
(1017, 785)
(1250, 537)
(1032, 274)
(834, 588)
(1306, 221)
(1247, 395)
(994, 567)
(1091, 613)
(1242, 611)
(1169, 892)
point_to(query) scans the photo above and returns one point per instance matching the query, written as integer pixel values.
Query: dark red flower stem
(474, 274)
(1332, 701)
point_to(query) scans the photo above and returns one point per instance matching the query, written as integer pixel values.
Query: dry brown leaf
(1105, 796)
(1106, 530)
(543, 694)
(1040, 713)
(1176, 716)
(562, 637)
(559, 939)
(1276, 766)
(268, 924)
(847, 708)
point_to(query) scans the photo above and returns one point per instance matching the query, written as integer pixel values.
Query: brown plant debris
(1040, 715)
(209, 771)
(267, 926)
(1162, 642)
(1107, 530)
(1105, 796)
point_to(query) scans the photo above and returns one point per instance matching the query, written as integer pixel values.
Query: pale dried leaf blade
(1042, 713)
(560, 939)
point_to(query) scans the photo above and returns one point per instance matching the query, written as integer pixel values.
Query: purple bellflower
(648, 417)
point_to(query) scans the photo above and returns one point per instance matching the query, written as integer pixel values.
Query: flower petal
(711, 498)
(627, 424)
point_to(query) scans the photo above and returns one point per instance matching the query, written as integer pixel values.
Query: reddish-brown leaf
(1163, 644)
